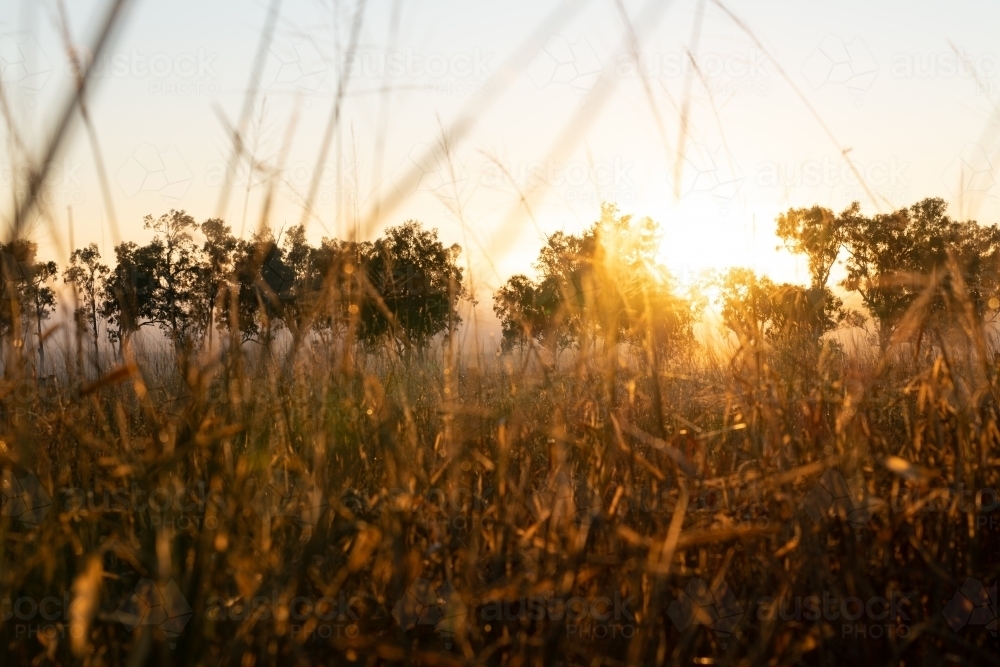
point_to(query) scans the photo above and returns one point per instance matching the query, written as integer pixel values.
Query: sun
(698, 236)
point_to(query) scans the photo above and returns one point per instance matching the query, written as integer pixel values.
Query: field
(318, 506)
(349, 418)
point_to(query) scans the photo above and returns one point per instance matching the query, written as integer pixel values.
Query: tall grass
(309, 506)
(331, 503)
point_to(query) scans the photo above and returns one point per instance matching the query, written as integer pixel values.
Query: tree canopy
(603, 285)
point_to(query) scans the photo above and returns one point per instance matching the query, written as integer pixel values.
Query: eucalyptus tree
(414, 285)
(87, 274)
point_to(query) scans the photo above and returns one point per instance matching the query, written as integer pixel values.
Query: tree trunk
(93, 322)
(38, 331)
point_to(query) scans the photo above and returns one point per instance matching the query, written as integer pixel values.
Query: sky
(568, 105)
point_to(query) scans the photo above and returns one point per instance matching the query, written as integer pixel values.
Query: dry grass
(509, 492)
(335, 505)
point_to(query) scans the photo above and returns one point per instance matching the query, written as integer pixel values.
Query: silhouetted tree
(890, 256)
(528, 311)
(130, 292)
(87, 275)
(33, 284)
(415, 286)
(264, 283)
(305, 264)
(27, 299)
(216, 278)
(819, 235)
(176, 274)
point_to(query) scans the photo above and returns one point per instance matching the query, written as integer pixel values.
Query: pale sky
(910, 89)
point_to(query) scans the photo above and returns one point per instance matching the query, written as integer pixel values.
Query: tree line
(602, 287)
(606, 281)
(194, 281)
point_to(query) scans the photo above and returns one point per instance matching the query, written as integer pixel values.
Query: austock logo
(973, 604)
(45, 618)
(181, 507)
(576, 180)
(585, 618)
(177, 74)
(982, 503)
(732, 73)
(64, 184)
(849, 181)
(871, 618)
(460, 73)
(834, 496)
(159, 605)
(321, 618)
(945, 65)
(23, 498)
(451, 509)
(428, 604)
(702, 604)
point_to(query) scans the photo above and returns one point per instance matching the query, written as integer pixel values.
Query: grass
(333, 508)
(781, 505)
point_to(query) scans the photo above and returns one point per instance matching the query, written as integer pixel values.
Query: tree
(417, 285)
(636, 296)
(528, 311)
(890, 256)
(130, 292)
(158, 283)
(264, 285)
(303, 262)
(35, 291)
(176, 274)
(757, 309)
(15, 257)
(339, 290)
(27, 298)
(819, 235)
(747, 308)
(215, 280)
(87, 275)
(603, 282)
